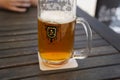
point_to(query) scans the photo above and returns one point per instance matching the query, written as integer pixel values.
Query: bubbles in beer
(57, 17)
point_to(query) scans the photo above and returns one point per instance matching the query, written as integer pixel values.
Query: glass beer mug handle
(83, 53)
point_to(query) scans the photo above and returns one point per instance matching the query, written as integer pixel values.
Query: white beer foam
(57, 17)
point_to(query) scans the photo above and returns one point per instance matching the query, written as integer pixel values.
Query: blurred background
(106, 11)
(88, 5)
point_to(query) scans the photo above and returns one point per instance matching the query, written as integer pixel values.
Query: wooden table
(18, 50)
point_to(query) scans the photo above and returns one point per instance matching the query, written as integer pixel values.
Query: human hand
(34, 2)
(15, 5)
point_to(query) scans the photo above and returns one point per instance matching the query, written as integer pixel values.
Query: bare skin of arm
(17, 5)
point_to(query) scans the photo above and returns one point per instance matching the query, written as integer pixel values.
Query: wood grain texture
(24, 59)
(85, 64)
(108, 73)
(18, 51)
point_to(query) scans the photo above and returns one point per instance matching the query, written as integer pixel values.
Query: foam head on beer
(60, 17)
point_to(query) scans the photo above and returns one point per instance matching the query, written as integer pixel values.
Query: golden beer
(55, 38)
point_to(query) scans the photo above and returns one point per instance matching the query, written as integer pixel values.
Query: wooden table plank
(18, 61)
(95, 43)
(22, 29)
(22, 26)
(18, 51)
(85, 64)
(33, 36)
(8, 33)
(24, 59)
(79, 37)
(15, 35)
(15, 72)
(108, 73)
(23, 37)
(19, 44)
(102, 50)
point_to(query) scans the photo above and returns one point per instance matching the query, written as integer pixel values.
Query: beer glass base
(66, 64)
(54, 63)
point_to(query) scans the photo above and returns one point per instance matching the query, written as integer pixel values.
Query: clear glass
(56, 24)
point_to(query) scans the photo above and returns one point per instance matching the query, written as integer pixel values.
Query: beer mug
(56, 26)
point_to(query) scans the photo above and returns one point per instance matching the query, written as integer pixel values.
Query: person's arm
(15, 5)
(34, 2)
